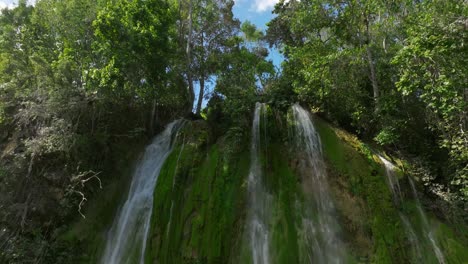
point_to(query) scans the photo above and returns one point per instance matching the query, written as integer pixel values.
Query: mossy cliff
(373, 227)
(201, 199)
(364, 201)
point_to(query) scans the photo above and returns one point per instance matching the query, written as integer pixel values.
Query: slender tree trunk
(152, 118)
(189, 55)
(201, 95)
(202, 77)
(375, 85)
(370, 60)
(191, 92)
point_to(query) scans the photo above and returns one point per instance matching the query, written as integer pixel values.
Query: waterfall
(394, 186)
(126, 241)
(259, 205)
(427, 230)
(321, 227)
(397, 197)
(392, 180)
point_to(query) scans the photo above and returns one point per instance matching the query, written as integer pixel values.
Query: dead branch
(83, 200)
(81, 179)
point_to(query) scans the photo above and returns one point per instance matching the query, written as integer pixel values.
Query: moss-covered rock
(201, 200)
(367, 212)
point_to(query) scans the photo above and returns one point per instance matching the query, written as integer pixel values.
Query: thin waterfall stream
(427, 230)
(259, 205)
(321, 226)
(126, 241)
(173, 185)
(394, 186)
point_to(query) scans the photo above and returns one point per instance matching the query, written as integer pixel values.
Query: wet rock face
(300, 166)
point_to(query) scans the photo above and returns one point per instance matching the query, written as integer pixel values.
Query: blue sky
(11, 3)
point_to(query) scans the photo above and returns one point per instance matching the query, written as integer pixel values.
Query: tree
(133, 41)
(15, 72)
(322, 39)
(209, 25)
(242, 76)
(429, 72)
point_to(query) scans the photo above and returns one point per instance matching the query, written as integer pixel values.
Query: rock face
(200, 212)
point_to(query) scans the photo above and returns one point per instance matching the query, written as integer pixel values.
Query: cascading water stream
(173, 185)
(392, 180)
(259, 205)
(321, 227)
(427, 230)
(126, 240)
(394, 186)
(397, 197)
(413, 238)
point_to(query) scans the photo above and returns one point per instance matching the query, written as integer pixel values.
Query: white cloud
(260, 6)
(264, 5)
(13, 3)
(6, 3)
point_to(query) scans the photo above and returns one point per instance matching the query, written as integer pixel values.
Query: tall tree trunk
(375, 85)
(201, 95)
(202, 77)
(189, 56)
(370, 60)
(152, 118)
(191, 90)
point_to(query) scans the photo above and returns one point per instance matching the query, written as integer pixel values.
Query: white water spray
(392, 180)
(127, 238)
(321, 228)
(259, 199)
(394, 186)
(427, 230)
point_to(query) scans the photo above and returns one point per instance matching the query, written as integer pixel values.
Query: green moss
(200, 205)
(354, 163)
(451, 240)
(455, 248)
(207, 204)
(208, 210)
(284, 186)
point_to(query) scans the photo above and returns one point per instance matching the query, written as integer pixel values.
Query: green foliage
(239, 82)
(430, 71)
(251, 33)
(386, 136)
(60, 116)
(133, 40)
(393, 72)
